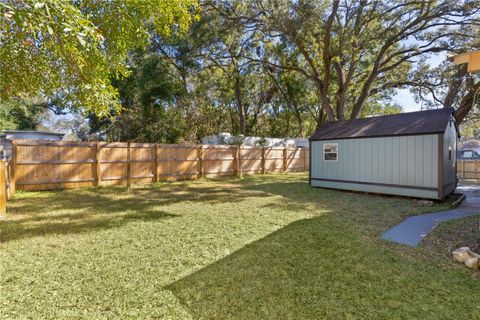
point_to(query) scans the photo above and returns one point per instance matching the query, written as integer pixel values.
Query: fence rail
(468, 169)
(43, 165)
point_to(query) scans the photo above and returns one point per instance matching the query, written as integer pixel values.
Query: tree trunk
(240, 105)
(469, 100)
(298, 117)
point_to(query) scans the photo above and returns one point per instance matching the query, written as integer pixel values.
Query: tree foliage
(449, 85)
(71, 49)
(150, 71)
(356, 51)
(26, 114)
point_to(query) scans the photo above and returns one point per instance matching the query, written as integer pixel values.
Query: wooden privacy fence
(468, 169)
(42, 165)
(3, 187)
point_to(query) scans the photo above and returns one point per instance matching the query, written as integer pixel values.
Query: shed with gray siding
(7, 136)
(408, 154)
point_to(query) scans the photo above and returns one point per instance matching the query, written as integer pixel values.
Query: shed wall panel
(400, 160)
(419, 174)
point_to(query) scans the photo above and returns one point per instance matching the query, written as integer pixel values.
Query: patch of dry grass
(454, 234)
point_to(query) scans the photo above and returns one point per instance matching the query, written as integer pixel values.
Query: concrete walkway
(413, 229)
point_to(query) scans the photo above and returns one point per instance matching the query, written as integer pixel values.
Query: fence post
(3, 188)
(95, 165)
(58, 172)
(263, 160)
(8, 177)
(305, 167)
(200, 161)
(459, 169)
(239, 160)
(235, 162)
(13, 169)
(285, 162)
(99, 164)
(155, 161)
(128, 165)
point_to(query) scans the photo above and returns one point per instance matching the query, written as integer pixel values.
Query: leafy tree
(229, 44)
(256, 67)
(356, 51)
(70, 49)
(23, 115)
(449, 85)
(148, 98)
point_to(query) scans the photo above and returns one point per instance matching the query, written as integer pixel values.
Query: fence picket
(46, 165)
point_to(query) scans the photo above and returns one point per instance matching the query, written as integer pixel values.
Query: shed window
(330, 151)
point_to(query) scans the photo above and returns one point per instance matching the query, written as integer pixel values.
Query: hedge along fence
(43, 165)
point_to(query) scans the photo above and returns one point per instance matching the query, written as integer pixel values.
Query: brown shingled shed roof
(411, 123)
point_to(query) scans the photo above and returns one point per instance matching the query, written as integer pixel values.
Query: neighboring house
(469, 154)
(7, 136)
(408, 154)
(227, 138)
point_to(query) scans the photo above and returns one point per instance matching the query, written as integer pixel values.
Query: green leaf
(33, 64)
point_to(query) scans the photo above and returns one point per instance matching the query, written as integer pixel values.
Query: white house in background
(7, 136)
(227, 138)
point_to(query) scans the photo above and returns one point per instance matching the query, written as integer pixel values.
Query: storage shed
(409, 154)
(7, 136)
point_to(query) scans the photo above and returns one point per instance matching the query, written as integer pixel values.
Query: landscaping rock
(462, 254)
(472, 263)
(468, 257)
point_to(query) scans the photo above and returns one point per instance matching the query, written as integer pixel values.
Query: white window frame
(323, 153)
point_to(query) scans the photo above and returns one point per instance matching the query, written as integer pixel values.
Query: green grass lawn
(264, 247)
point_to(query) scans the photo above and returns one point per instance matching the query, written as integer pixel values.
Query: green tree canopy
(357, 52)
(24, 115)
(71, 49)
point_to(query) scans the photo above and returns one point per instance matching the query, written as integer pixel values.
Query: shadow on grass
(83, 210)
(330, 266)
(320, 269)
(73, 223)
